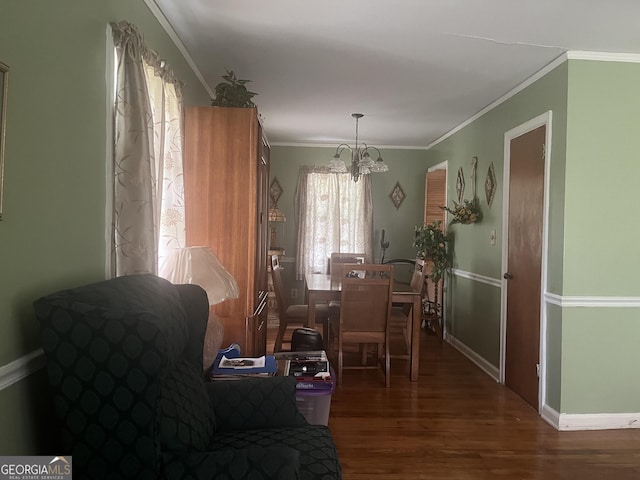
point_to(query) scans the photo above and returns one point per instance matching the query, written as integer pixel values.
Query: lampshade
(276, 215)
(200, 266)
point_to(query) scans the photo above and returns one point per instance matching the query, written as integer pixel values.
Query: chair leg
(340, 360)
(282, 328)
(387, 364)
(325, 333)
(406, 333)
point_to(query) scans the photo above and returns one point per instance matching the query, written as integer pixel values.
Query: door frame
(439, 166)
(544, 119)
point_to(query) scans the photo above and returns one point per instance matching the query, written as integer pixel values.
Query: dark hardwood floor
(457, 423)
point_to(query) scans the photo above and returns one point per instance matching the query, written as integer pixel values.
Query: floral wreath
(466, 212)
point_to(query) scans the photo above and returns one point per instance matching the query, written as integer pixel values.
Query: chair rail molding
(21, 368)
(560, 300)
(495, 282)
(589, 301)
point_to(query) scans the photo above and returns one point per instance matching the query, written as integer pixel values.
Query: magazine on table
(265, 365)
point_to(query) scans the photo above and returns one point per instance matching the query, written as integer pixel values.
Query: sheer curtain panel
(148, 209)
(334, 214)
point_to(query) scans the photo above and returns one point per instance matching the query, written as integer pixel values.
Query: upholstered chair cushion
(186, 422)
(254, 403)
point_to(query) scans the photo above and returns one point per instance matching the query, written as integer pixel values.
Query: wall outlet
(294, 293)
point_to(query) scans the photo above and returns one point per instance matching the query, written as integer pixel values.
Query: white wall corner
(550, 416)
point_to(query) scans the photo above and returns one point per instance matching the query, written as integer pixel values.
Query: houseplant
(232, 92)
(431, 244)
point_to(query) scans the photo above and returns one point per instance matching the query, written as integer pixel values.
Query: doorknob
(507, 276)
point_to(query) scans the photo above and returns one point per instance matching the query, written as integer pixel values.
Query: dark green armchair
(124, 359)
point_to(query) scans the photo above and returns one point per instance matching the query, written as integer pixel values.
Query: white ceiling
(415, 68)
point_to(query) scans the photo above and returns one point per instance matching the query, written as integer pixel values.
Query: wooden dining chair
(339, 258)
(293, 314)
(335, 270)
(401, 315)
(365, 310)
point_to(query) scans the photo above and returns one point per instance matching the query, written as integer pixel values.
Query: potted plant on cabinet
(233, 92)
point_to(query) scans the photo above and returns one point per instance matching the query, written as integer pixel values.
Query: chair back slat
(278, 285)
(365, 302)
(339, 258)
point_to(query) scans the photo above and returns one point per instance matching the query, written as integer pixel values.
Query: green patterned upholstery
(124, 359)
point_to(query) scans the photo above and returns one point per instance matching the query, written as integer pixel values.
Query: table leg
(311, 309)
(415, 338)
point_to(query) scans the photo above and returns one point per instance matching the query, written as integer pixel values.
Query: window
(335, 214)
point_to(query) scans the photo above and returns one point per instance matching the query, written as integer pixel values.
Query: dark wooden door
(526, 206)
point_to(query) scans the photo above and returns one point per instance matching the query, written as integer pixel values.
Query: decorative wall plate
(397, 195)
(275, 190)
(490, 184)
(460, 185)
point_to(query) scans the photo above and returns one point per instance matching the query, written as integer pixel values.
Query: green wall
(474, 316)
(599, 355)
(602, 178)
(53, 234)
(592, 256)
(406, 166)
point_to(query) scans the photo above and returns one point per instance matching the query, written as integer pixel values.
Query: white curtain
(334, 214)
(148, 208)
(166, 109)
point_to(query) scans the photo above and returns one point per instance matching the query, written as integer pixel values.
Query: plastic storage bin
(315, 405)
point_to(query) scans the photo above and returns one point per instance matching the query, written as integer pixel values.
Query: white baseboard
(559, 421)
(491, 370)
(590, 421)
(550, 416)
(598, 421)
(20, 368)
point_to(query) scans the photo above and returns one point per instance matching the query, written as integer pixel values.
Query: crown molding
(603, 56)
(155, 10)
(334, 145)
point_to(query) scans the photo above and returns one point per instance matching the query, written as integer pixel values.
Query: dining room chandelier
(361, 161)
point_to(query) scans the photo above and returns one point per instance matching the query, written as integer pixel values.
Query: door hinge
(538, 370)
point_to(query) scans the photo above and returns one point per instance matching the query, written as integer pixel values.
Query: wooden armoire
(226, 183)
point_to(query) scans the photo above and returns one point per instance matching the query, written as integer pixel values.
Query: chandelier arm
(367, 147)
(342, 147)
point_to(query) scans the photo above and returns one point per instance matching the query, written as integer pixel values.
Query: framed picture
(4, 78)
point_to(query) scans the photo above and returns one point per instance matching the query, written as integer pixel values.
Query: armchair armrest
(254, 403)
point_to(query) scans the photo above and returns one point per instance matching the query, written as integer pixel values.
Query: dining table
(321, 288)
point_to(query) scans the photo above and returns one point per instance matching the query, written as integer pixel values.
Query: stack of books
(310, 369)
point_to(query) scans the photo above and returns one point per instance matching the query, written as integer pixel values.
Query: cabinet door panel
(223, 199)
